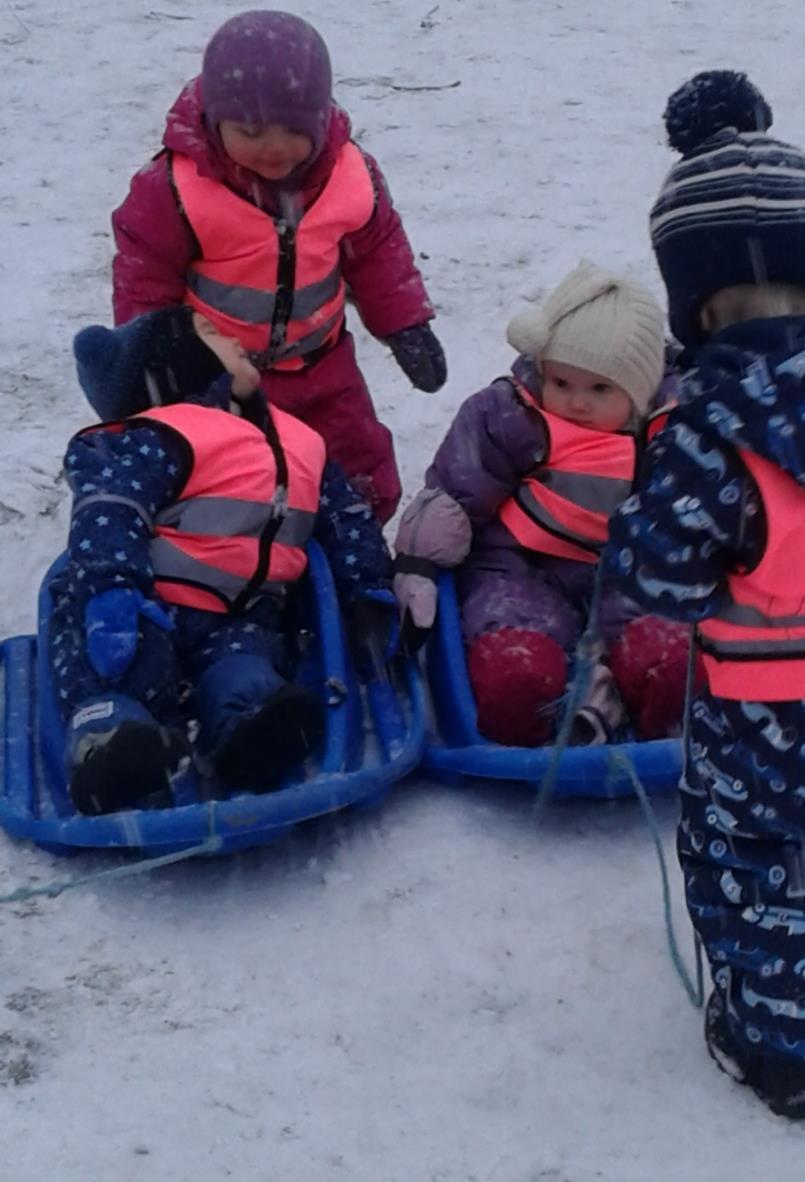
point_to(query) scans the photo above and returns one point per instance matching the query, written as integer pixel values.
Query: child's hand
(231, 354)
(420, 356)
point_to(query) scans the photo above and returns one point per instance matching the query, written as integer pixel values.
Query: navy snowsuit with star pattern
(124, 479)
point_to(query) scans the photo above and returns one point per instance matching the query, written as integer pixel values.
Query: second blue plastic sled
(375, 735)
(456, 748)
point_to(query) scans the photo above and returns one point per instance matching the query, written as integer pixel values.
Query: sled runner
(375, 734)
(455, 746)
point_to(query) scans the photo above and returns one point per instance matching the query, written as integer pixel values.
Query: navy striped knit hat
(732, 211)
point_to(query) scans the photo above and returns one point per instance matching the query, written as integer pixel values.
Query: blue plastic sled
(375, 735)
(456, 748)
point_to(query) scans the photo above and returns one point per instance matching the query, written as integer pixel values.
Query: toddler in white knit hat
(518, 499)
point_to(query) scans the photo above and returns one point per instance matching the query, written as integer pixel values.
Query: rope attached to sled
(585, 657)
(694, 989)
(52, 890)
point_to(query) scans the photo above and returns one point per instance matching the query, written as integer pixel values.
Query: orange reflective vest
(754, 649)
(273, 284)
(234, 534)
(563, 508)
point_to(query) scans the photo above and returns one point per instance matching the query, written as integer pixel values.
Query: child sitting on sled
(188, 527)
(263, 213)
(518, 499)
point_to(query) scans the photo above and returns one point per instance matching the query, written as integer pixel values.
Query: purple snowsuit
(494, 441)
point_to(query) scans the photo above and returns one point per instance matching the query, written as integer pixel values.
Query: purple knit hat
(266, 67)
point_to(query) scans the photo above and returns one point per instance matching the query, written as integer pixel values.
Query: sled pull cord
(694, 989)
(211, 845)
(586, 655)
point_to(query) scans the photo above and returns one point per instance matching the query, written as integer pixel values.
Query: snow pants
(740, 845)
(232, 664)
(332, 398)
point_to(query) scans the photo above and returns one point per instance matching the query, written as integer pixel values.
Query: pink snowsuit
(155, 246)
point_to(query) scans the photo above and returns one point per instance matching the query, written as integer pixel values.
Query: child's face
(272, 151)
(583, 397)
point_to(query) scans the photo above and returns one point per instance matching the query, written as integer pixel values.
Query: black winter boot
(263, 747)
(775, 1079)
(129, 766)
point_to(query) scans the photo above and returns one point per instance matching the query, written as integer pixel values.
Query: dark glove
(420, 356)
(111, 621)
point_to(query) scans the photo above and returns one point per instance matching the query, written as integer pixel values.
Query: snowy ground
(443, 990)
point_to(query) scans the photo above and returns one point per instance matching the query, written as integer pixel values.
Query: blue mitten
(111, 621)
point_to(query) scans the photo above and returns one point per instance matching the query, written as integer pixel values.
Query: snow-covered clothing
(697, 521)
(496, 442)
(156, 247)
(123, 480)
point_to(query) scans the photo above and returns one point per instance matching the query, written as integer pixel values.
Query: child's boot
(255, 725)
(517, 677)
(650, 666)
(119, 757)
(777, 1080)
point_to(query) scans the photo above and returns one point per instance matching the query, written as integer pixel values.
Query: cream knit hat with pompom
(598, 322)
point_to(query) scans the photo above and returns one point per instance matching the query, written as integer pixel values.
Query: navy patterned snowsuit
(134, 474)
(697, 516)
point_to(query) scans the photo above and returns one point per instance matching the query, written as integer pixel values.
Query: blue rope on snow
(695, 991)
(211, 846)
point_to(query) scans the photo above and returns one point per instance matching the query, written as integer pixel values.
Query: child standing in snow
(518, 498)
(262, 213)
(715, 536)
(188, 527)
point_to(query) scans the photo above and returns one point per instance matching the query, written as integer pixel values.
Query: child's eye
(560, 383)
(249, 133)
(601, 387)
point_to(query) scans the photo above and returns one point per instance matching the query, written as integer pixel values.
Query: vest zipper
(285, 227)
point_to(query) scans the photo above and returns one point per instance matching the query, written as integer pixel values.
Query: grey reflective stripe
(601, 494)
(227, 517)
(115, 499)
(241, 303)
(310, 342)
(751, 617)
(171, 563)
(255, 306)
(296, 528)
(217, 517)
(307, 300)
(539, 514)
(752, 648)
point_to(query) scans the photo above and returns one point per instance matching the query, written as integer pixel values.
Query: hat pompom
(528, 333)
(711, 102)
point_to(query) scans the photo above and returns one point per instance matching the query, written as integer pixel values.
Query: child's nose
(271, 137)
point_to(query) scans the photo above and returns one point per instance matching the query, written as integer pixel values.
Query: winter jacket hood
(748, 388)
(186, 131)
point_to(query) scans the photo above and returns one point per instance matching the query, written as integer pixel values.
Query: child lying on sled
(188, 527)
(518, 499)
